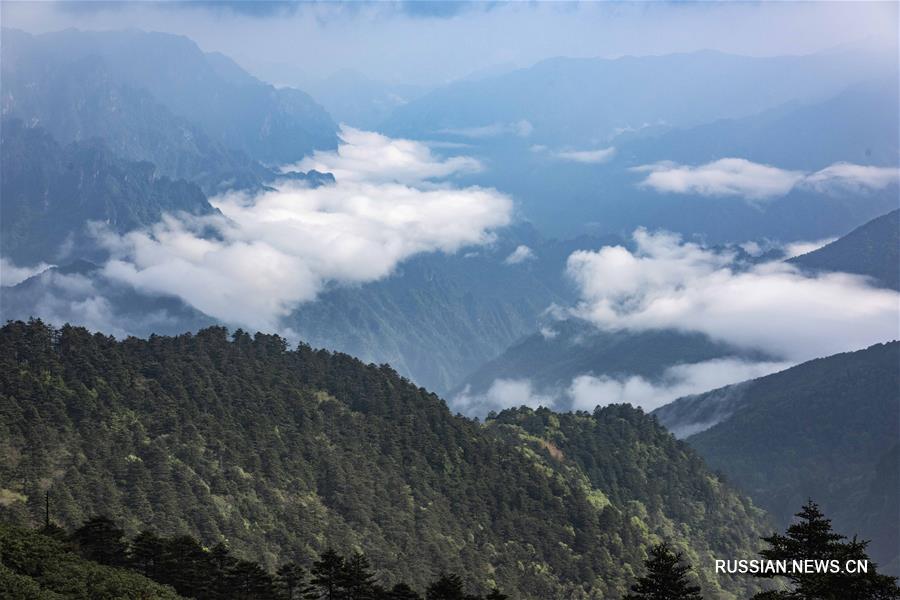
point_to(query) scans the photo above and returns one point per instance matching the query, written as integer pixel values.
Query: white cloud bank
(366, 156)
(587, 156)
(266, 254)
(755, 181)
(503, 393)
(588, 392)
(11, 275)
(519, 255)
(669, 284)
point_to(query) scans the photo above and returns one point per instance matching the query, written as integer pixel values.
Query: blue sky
(431, 43)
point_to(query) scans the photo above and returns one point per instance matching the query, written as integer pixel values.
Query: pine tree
(328, 576)
(292, 582)
(447, 587)
(811, 537)
(359, 581)
(495, 594)
(402, 591)
(666, 577)
(100, 540)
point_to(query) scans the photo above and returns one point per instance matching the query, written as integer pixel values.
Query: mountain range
(825, 429)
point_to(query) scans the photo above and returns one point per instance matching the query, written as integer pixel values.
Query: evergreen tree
(447, 587)
(495, 594)
(811, 537)
(328, 576)
(147, 553)
(402, 591)
(359, 580)
(666, 577)
(249, 581)
(100, 540)
(291, 580)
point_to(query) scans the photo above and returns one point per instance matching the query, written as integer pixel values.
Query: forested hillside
(872, 250)
(284, 453)
(826, 429)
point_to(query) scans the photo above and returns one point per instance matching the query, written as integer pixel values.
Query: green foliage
(284, 454)
(666, 577)
(40, 567)
(811, 537)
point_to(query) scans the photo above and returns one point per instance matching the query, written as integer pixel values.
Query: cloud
(372, 157)
(800, 248)
(266, 254)
(587, 391)
(521, 129)
(587, 156)
(755, 181)
(666, 283)
(723, 177)
(852, 178)
(503, 393)
(10, 274)
(519, 255)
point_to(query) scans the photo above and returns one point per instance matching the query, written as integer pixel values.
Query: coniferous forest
(285, 453)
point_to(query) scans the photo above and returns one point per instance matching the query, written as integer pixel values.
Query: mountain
(442, 316)
(268, 124)
(563, 350)
(284, 453)
(826, 429)
(872, 250)
(50, 193)
(589, 100)
(80, 86)
(566, 194)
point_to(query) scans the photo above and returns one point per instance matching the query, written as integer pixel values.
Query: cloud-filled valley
(266, 253)
(667, 283)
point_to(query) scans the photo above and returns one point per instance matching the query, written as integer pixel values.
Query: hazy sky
(436, 42)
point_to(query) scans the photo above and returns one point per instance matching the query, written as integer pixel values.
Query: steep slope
(442, 316)
(825, 429)
(872, 250)
(51, 193)
(268, 124)
(286, 453)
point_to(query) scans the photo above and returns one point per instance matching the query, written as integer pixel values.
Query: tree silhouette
(291, 580)
(447, 587)
(402, 591)
(811, 537)
(359, 581)
(100, 540)
(666, 577)
(328, 576)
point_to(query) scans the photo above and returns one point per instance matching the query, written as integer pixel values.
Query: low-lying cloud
(267, 253)
(519, 255)
(666, 283)
(10, 274)
(586, 392)
(522, 129)
(366, 156)
(754, 181)
(587, 156)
